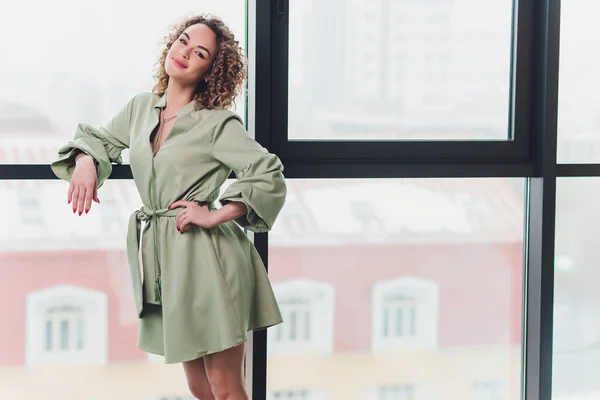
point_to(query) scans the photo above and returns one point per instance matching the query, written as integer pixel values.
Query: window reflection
(422, 282)
(576, 337)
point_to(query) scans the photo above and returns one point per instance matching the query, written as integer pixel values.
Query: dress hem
(195, 356)
(208, 352)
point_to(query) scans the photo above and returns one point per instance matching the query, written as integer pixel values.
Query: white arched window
(307, 308)
(405, 314)
(66, 325)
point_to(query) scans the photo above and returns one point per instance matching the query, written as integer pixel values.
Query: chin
(171, 70)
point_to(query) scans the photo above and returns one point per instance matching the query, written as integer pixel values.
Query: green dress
(199, 292)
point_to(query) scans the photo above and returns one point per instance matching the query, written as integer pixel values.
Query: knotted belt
(133, 247)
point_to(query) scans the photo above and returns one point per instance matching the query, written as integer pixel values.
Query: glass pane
(80, 332)
(423, 295)
(578, 112)
(84, 66)
(576, 290)
(384, 69)
(65, 327)
(49, 335)
(72, 311)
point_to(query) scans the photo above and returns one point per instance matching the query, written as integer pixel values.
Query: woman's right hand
(83, 188)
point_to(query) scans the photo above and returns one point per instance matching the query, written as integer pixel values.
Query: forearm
(80, 155)
(229, 212)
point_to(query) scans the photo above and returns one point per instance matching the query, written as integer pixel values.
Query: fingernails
(80, 213)
(86, 211)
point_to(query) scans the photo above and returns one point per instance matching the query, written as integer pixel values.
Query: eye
(183, 41)
(200, 55)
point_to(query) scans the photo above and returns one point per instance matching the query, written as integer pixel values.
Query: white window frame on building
(405, 314)
(66, 324)
(307, 308)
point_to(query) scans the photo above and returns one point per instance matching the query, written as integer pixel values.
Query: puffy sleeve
(103, 144)
(260, 183)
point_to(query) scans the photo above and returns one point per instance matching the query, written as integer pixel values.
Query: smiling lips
(179, 63)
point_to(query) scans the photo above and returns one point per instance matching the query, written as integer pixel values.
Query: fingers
(81, 200)
(83, 188)
(74, 197)
(179, 203)
(182, 220)
(181, 217)
(185, 222)
(96, 199)
(89, 195)
(70, 194)
(178, 220)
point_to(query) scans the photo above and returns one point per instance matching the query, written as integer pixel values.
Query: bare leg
(195, 372)
(225, 373)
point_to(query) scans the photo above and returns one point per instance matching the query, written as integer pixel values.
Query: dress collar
(189, 108)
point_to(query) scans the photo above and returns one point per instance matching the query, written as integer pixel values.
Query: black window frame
(516, 148)
(532, 155)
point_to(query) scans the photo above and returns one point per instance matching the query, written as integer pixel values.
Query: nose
(184, 53)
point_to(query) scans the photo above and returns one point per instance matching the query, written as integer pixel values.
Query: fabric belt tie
(133, 247)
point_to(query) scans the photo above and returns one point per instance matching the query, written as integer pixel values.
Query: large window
(71, 324)
(409, 262)
(427, 290)
(578, 113)
(95, 58)
(576, 293)
(386, 69)
(69, 301)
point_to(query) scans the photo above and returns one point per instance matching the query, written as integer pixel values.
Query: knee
(223, 385)
(201, 390)
(219, 384)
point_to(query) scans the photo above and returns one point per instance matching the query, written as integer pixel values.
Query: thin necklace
(167, 119)
(163, 120)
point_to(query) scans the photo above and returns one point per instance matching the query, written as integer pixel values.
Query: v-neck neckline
(159, 106)
(158, 128)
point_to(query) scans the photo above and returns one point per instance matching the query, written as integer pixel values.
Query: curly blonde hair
(225, 80)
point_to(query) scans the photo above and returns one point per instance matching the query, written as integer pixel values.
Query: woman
(201, 284)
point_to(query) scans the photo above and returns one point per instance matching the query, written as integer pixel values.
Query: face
(192, 54)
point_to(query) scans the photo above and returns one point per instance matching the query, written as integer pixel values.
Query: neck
(178, 96)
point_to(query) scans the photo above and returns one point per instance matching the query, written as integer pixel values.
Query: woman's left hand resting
(193, 213)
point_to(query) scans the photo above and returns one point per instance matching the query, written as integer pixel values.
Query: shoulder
(224, 123)
(221, 116)
(144, 99)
